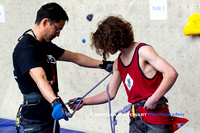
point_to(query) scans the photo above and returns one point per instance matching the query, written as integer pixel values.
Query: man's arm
(170, 75)
(59, 109)
(39, 76)
(80, 59)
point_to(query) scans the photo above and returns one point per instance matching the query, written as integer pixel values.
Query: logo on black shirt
(51, 59)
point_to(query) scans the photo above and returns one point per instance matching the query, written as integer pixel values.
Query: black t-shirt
(30, 53)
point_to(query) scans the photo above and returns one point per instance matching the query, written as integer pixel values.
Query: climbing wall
(159, 23)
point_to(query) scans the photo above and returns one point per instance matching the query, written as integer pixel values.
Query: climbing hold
(83, 40)
(193, 25)
(89, 17)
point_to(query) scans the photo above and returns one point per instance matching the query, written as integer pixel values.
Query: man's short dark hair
(52, 11)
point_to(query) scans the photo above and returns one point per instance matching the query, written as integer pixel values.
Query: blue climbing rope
(113, 121)
(79, 101)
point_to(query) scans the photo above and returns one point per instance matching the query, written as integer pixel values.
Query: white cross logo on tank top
(128, 81)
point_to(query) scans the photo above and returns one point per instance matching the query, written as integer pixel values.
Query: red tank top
(138, 86)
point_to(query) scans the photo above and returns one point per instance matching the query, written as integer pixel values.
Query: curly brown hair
(112, 33)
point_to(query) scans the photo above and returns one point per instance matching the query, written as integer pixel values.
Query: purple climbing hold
(89, 17)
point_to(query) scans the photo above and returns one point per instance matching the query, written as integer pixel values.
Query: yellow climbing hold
(193, 25)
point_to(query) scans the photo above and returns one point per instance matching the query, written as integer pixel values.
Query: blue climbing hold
(83, 40)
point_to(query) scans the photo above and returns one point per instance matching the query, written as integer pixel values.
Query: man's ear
(45, 22)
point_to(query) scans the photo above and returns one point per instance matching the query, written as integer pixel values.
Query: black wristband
(107, 65)
(56, 101)
(102, 66)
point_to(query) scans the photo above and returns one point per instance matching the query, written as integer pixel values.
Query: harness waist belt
(161, 101)
(33, 98)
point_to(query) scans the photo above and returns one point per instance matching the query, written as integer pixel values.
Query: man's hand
(107, 65)
(60, 111)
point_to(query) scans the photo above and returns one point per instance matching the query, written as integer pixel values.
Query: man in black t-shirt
(34, 61)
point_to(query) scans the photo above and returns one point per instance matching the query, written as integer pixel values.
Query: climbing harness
(30, 99)
(127, 108)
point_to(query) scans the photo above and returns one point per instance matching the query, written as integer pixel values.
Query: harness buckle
(134, 107)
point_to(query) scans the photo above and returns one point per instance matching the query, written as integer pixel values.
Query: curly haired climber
(146, 76)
